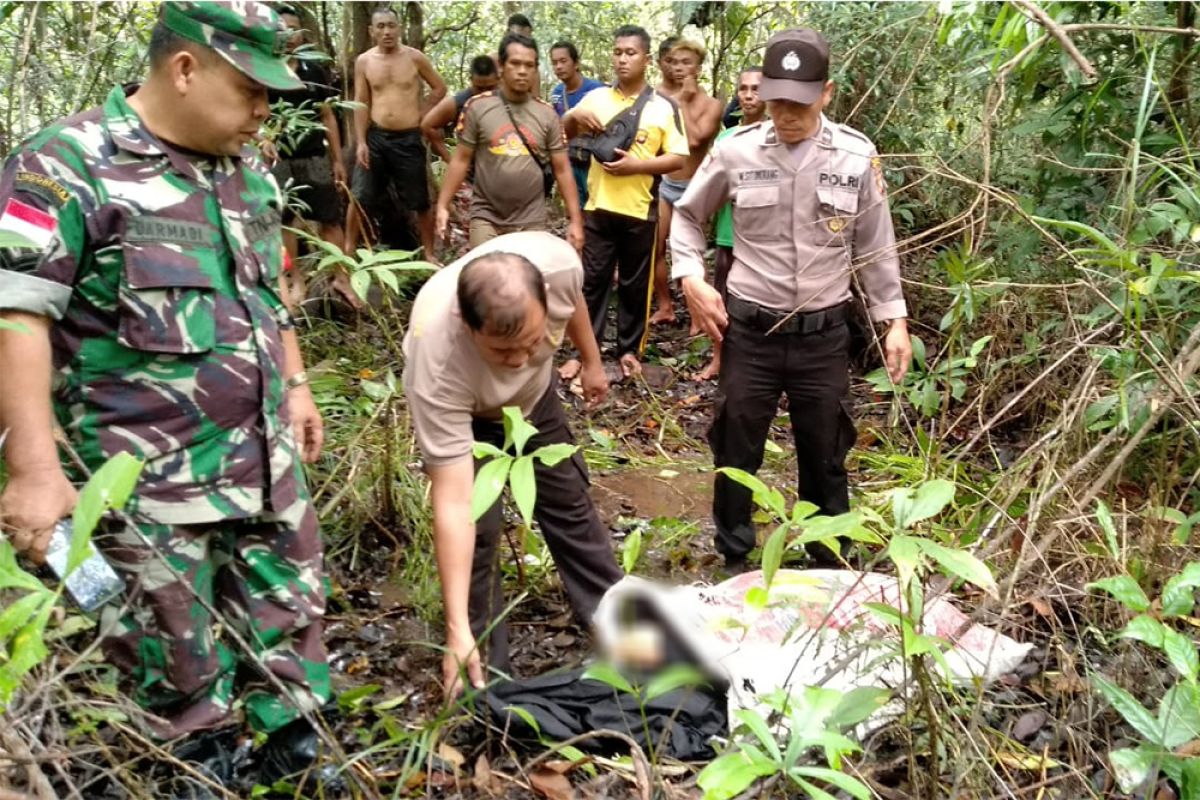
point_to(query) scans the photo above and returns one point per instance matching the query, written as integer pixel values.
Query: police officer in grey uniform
(810, 219)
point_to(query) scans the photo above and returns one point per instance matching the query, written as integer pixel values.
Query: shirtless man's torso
(702, 121)
(390, 148)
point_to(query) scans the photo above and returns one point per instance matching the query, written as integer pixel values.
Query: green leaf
(858, 704)
(109, 487)
(631, 549)
(484, 450)
(552, 454)
(960, 563)
(754, 722)
(802, 510)
(11, 574)
(1144, 629)
(841, 780)
(1181, 652)
(526, 717)
(730, 775)
(18, 613)
(524, 487)
(516, 430)
(1179, 714)
(607, 674)
(1132, 767)
(1133, 712)
(1104, 517)
(772, 555)
(489, 483)
(769, 499)
(812, 790)
(757, 598)
(1125, 589)
(360, 282)
(1084, 230)
(909, 508)
(1178, 596)
(905, 553)
(674, 677)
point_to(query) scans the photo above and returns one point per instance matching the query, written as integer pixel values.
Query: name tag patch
(751, 176)
(263, 225)
(165, 229)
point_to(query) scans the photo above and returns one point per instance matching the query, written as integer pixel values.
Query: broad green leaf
(1179, 714)
(730, 775)
(516, 430)
(631, 550)
(1125, 589)
(927, 501)
(858, 704)
(1132, 766)
(885, 613)
(811, 789)
(772, 555)
(1189, 773)
(484, 450)
(552, 454)
(524, 487)
(1133, 712)
(489, 483)
(607, 674)
(1104, 517)
(11, 574)
(1178, 596)
(18, 613)
(1144, 629)
(905, 553)
(360, 282)
(802, 510)
(763, 496)
(109, 487)
(961, 564)
(757, 598)
(841, 780)
(754, 723)
(1083, 230)
(674, 677)
(1181, 652)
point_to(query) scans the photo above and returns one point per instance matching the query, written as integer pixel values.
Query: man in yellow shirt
(622, 208)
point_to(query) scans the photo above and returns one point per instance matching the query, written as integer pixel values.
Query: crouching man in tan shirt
(483, 335)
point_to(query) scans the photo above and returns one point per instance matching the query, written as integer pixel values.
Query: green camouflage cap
(247, 34)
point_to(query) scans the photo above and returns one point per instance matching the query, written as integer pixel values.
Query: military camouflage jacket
(160, 269)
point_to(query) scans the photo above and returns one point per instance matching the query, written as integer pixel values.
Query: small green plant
(925, 384)
(668, 679)
(815, 720)
(1177, 720)
(514, 469)
(367, 268)
(23, 622)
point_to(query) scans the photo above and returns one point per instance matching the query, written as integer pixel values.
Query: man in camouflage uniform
(152, 293)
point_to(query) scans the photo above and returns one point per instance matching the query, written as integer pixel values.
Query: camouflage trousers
(263, 579)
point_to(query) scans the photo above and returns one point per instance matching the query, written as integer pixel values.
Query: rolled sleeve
(875, 256)
(33, 295)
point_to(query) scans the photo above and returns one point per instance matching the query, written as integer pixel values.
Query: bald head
(495, 292)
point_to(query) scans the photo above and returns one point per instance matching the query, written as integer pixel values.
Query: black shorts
(397, 157)
(309, 180)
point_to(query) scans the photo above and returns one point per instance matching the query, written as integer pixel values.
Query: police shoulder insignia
(877, 169)
(42, 186)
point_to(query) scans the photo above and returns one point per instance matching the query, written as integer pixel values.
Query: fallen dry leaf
(484, 780)
(1041, 607)
(551, 784)
(451, 756)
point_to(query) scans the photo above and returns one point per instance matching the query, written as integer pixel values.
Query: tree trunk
(1181, 68)
(414, 25)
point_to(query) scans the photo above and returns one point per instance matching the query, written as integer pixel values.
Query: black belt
(764, 319)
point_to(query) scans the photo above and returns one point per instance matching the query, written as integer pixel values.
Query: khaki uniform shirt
(447, 381)
(805, 221)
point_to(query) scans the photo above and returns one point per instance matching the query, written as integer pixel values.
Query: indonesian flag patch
(32, 223)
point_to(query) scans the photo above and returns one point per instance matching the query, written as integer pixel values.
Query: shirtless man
(390, 148)
(702, 121)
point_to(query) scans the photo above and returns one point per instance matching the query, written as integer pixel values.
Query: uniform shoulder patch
(42, 186)
(475, 97)
(846, 138)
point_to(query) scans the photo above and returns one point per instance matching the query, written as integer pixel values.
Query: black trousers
(813, 370)
(627, 242)
(578, 540)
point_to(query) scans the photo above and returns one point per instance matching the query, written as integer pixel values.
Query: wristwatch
(299, 379)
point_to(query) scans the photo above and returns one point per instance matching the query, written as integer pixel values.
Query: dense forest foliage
(1047, 201)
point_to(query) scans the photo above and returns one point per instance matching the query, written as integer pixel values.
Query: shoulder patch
(43, 186)
(846, 138)
(475, 97)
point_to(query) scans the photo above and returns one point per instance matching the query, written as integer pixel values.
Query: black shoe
(821, 557)
(215, 755)
(736, 565)
(292, 755)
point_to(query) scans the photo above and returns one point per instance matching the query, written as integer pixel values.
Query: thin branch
(1056, 30)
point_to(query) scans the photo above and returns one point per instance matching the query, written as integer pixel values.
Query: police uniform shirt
(805, 220)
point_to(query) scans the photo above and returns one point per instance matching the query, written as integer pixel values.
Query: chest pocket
(756, 213)
(167, 301)
(837, 214)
